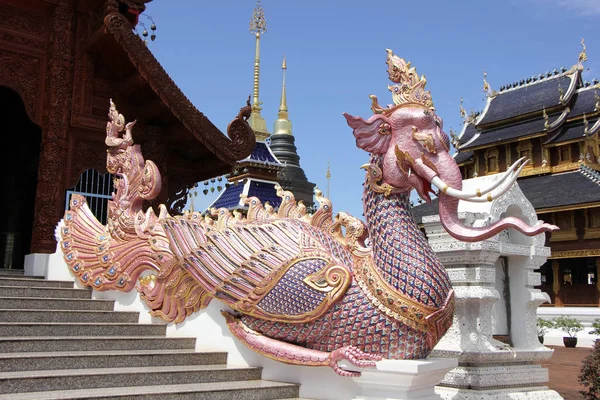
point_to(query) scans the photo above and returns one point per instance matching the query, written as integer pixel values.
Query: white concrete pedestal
(403, 379)
(494, 284)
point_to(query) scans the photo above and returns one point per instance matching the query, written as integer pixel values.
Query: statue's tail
(133, 245)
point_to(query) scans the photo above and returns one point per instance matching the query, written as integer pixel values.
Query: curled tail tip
(229, 317)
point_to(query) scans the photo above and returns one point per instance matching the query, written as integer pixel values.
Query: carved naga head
(414, 151)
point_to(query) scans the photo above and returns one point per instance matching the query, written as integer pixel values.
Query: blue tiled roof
(468, 134)
(570, 133)
(493, 136)
(265, 191)
(262, 153)
(463, 156)
(584, 103)
(526, 99)
(230, 198)
(546, 191)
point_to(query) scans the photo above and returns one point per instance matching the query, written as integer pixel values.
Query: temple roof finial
(283, 105)
(283, 124)
(258, 26)
(463, 112)
(258, 23)
(486, 85)
(583, 55)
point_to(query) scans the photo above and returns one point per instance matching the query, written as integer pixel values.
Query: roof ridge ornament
(597, 97)
(487, 88)
(463, 112)
(583, 55)
(410, 90)
(454, 138)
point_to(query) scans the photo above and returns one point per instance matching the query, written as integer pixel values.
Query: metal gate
(97, 189)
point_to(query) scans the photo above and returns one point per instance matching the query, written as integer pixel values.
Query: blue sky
(336, 57)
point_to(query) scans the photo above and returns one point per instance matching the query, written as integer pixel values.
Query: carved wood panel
(21, 72)
(58, 92)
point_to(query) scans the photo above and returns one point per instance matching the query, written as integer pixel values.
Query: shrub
(568, 325)
(596, 326)
(543, 325)
(590, 374)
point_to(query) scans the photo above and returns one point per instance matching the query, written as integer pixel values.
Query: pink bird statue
(306, 289)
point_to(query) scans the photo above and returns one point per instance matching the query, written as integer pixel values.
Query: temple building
(274, 161)
(552, 119)
(60, 63)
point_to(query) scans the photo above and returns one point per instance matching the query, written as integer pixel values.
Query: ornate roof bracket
(565, 97)
(595, 128)
(597, 97)
(551, 126)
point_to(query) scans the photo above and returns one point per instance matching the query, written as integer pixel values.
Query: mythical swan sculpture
(301, 289)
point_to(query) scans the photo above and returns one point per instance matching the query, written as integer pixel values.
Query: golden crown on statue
(410, 88)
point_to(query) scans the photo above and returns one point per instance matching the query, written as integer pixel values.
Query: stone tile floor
(564, 367)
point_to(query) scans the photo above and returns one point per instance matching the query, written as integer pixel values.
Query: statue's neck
(385, 214)
(393, 231)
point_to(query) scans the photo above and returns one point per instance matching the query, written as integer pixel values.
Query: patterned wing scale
(277, 270)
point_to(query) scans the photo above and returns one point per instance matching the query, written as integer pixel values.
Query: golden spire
(283, 105)
(258, 26)
(283, 124)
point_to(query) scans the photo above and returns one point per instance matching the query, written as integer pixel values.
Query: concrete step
(36, 303)
(94, 343)
(11, 272)
(33, 282)
(45, 292)
(68, 379)
(67, 316)
(244, 390)
(79, 329)
(106, 359)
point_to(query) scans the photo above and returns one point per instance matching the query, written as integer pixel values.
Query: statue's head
(414, 150)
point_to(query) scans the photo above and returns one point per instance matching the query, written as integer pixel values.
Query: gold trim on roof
(575, 253)
(568, 208)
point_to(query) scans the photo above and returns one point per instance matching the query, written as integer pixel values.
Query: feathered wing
(182, 262)
(257, 266)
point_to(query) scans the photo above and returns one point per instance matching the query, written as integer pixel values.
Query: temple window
(564, 220)
(491, 157)
(524, 150)
(594, 218)
(564, 154)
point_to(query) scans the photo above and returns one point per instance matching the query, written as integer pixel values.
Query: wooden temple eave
(576, 140)
(573, 166)
(138, 72)
(568, 207)
(590, 115)
(520, 118)
(576, 252)
(506, 141)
